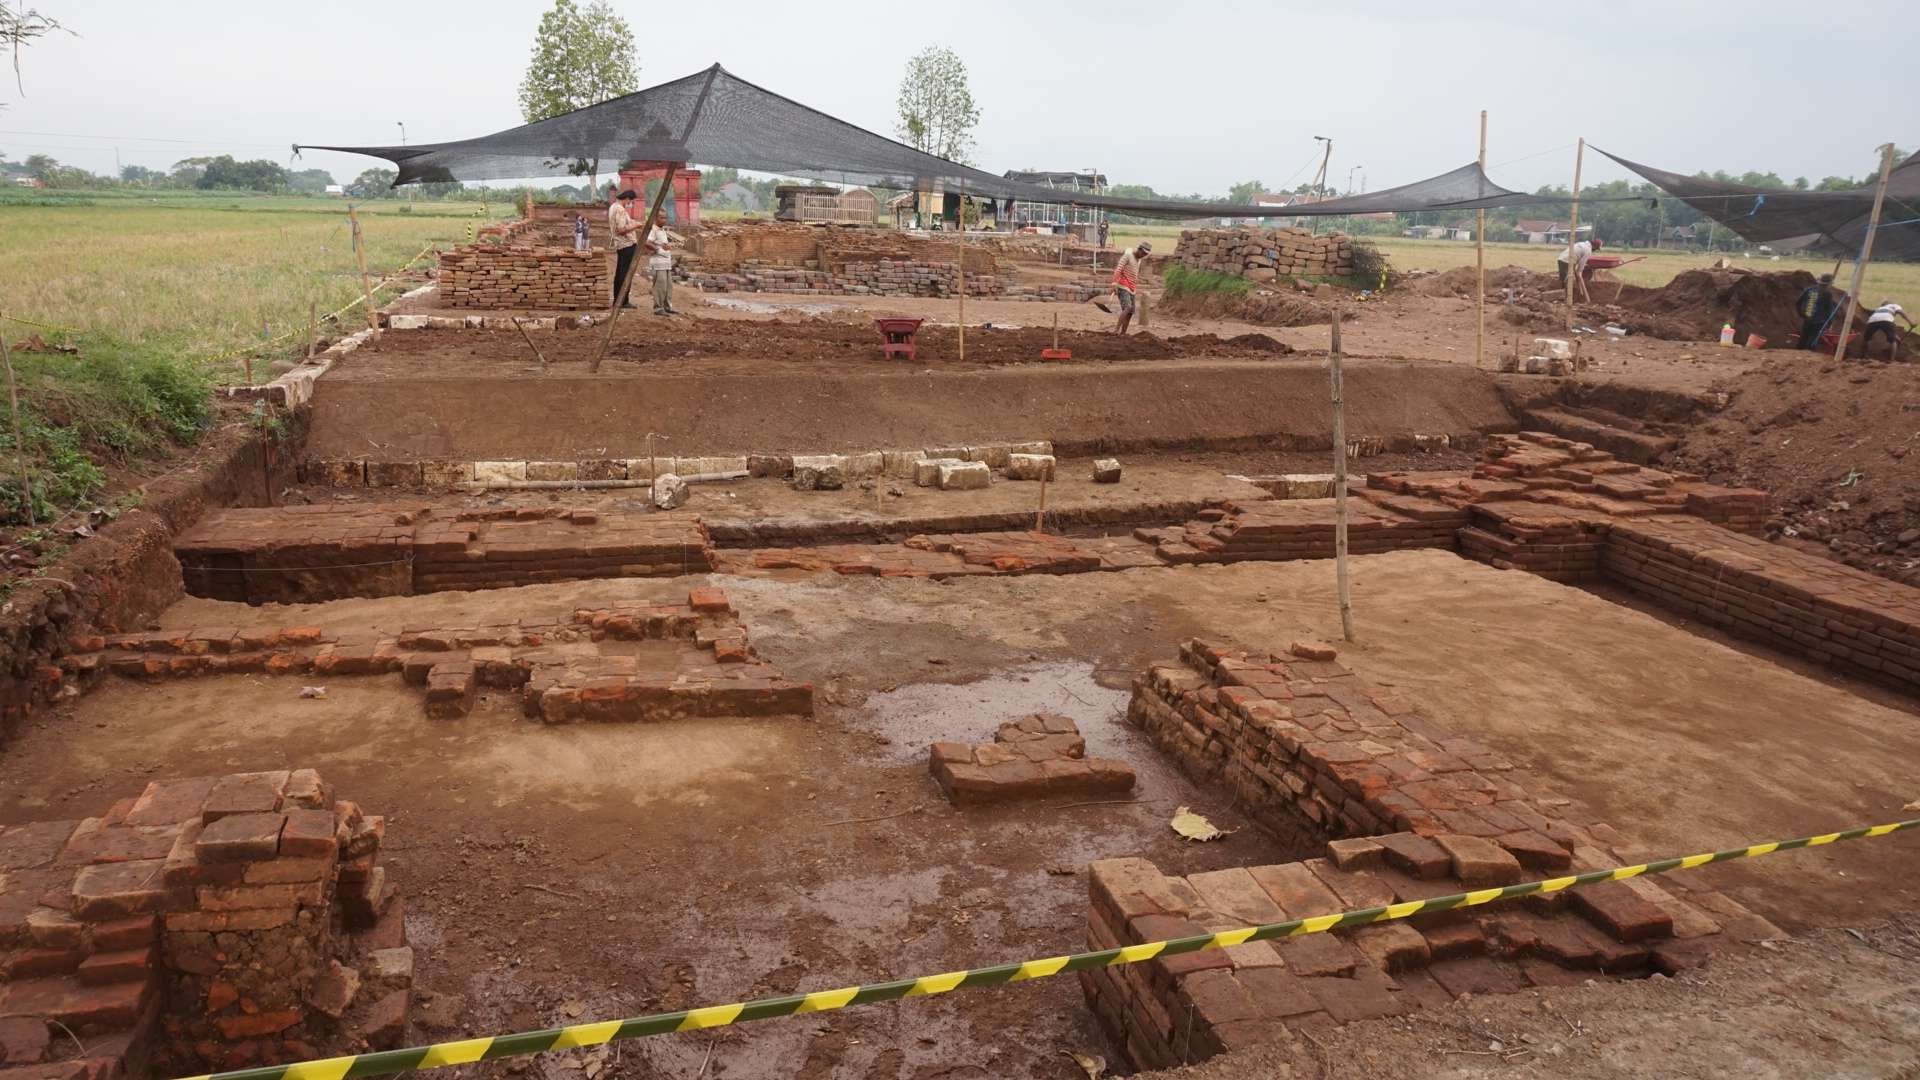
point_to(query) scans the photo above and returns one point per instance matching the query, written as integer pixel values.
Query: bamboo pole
(626, 287)
(1480, 259)
(1040, 518)
(360, 253)
(1573, 230)
(1866, 253)
(960, 267)
(19, 441)
(528, 338)
(313, 326)
(1342, 582)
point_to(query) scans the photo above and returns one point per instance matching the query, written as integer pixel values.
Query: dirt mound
(1262, 307)
(1838, 448)
(1697, 303)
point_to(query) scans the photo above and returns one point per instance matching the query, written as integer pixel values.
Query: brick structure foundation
(1406, 812)
(1264, 254)
(702, 664)
(216, 922)
(1029, 758)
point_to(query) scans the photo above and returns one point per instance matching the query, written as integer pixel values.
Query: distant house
(29, 181)
(1533, 232)
(336, 189)
(1680, 235)
(1456, 232)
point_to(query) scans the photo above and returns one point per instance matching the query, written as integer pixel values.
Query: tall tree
(581, 56)
(1244, 193)
(937, 113)
(373, 184)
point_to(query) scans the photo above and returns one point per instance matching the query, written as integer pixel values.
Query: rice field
(202, 275)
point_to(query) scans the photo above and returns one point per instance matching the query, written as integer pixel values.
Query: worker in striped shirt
(1126, 280)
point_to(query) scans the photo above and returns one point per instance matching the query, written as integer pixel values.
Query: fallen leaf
(1095, 1067)
(1194, 827)
(573, 1008)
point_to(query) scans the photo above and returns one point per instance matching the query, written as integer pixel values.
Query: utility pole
(1480, 259)
(1866, 253)
(1320, 179)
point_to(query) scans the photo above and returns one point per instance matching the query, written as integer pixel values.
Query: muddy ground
(559, 874)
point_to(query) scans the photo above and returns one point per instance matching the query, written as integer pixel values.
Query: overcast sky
(1185, 97)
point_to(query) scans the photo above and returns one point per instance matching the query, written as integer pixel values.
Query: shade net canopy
(717, 118)
(1827, 222)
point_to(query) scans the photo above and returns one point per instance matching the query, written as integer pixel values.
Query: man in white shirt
(1881, 322)
(624, 229)
(660, 263)
(1579, 253)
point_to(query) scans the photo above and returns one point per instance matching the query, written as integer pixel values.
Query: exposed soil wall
(1277, 404)
(1263, 307)
(126, 572)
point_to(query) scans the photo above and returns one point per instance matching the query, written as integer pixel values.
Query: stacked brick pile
(506, 277)
(1559, 545)
(1264, 254)
(1316, 754)
(1805, 604)
(1578, 476)
(1033, 757)
(217, 910)
(470, 554)
(557, 667)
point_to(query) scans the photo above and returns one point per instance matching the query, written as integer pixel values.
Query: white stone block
(819, 472)
(1106, 471)
(903, 464)
(964, 475)
(408, 322)
(926, 471)
(1029, 466)
(499, 472)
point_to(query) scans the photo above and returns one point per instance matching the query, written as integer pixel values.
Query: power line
(148, 138)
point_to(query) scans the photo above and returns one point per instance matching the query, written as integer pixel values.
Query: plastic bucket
(1755, 341)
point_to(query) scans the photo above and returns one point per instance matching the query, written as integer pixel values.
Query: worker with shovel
(1881, 322)
(1816, 305)
(1126, 282)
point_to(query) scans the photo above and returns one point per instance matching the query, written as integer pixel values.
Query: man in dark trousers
(1815, 306)
(626, 236)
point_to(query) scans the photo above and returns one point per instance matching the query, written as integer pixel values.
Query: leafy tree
(140, 174)
(937, 113)
(187, 171)
(310, 181)
(42, 167)
(224, 173)
(373, 184)
(1244, 193)
(581, 56)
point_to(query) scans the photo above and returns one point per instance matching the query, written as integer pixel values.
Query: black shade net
(716, 118)
(1828, 222)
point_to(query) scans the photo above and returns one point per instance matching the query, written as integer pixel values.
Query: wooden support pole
(626, 287)
(1573, 230)
(528, 338)
(19, 441)
(313, 326)
(960, 268)
(1342, 583)
(1040, 518)
(1866, 253)
(1480, 260)
(360, 253)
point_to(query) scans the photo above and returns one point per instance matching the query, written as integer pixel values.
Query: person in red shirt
(1126, 280)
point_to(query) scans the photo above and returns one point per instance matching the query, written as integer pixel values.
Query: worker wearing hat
(1815, 306)
(1126, 280)
(625, 232)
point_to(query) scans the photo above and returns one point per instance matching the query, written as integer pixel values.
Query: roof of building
(1525, 225)
(1087, 180)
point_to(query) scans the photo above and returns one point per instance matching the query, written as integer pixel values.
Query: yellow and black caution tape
(493, 1047)
(41, 325)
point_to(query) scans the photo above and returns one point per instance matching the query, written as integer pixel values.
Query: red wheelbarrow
(896, 337)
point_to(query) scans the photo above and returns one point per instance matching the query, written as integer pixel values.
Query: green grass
(81, 413)
(201, 274)
(1182, 281)
(1895, 281)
